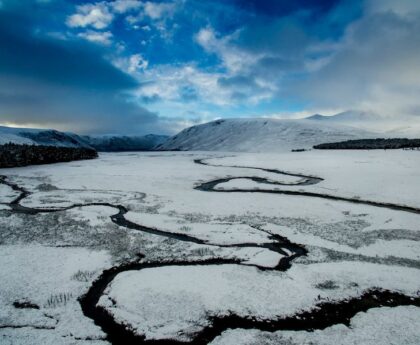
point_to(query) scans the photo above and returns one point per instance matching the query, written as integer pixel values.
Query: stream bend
(321, 316)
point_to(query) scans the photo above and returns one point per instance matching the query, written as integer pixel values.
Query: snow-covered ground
(398, 326)
(388, 176)
(51, 279)
(175, 302)
(51, 259)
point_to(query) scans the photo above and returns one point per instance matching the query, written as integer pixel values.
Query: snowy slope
(397, 127)
(347, 117)
(260, 135)
(47, 137)
(114, 143)
(411, 130)
(50, 137)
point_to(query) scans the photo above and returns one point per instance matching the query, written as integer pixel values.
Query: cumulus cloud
(232, 57)
(154, 10)
(240, 81)
(187, 83)
(172, 83)
(101, 14)
(101, 37)
(159, 10)
(96, 15)
(123, 6)
(158, 15)
(132, 64)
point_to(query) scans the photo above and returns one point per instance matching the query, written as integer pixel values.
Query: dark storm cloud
(278, 41)
(73, 64)
(336, 55)
(65, 84)
(90, 65)
(378, 68)
(283, 8)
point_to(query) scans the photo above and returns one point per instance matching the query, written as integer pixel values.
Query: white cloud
(234, 59)
(96, 15)
(159, 10)
(167, 83)
(206, 37)
(158, 14)
(123, 6)
(101, 37)
(134, 64)
(240, 81)
(137, 62)
(188, 84)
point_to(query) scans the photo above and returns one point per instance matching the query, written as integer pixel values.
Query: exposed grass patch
(56, 300)
(83, 276)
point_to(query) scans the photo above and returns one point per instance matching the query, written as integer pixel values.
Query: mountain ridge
(259, 135)
(104, 143)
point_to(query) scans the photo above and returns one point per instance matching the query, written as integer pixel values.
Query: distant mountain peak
(316, 117)
(349, 116)
(117, 143)
(51, 137)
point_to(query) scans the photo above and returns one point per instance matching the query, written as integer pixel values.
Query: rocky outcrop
(14, 155)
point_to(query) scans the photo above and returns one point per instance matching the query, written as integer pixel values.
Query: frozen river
(212, 248)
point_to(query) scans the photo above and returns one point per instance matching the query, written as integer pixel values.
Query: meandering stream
(326, 314)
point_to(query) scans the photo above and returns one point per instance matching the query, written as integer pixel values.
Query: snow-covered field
(186, 257)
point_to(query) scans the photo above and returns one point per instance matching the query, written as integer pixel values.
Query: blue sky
(136, 67)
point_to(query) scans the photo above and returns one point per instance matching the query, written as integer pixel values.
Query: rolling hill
(259, 135)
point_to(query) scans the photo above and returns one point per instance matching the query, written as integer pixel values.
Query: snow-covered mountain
(401, 126)
(50, 137)
(410, 130)
(350, 117)
(114, 143)
(260, 135)
(44, 137)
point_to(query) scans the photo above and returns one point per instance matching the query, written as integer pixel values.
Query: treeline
(14, 155)
(371, 144)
